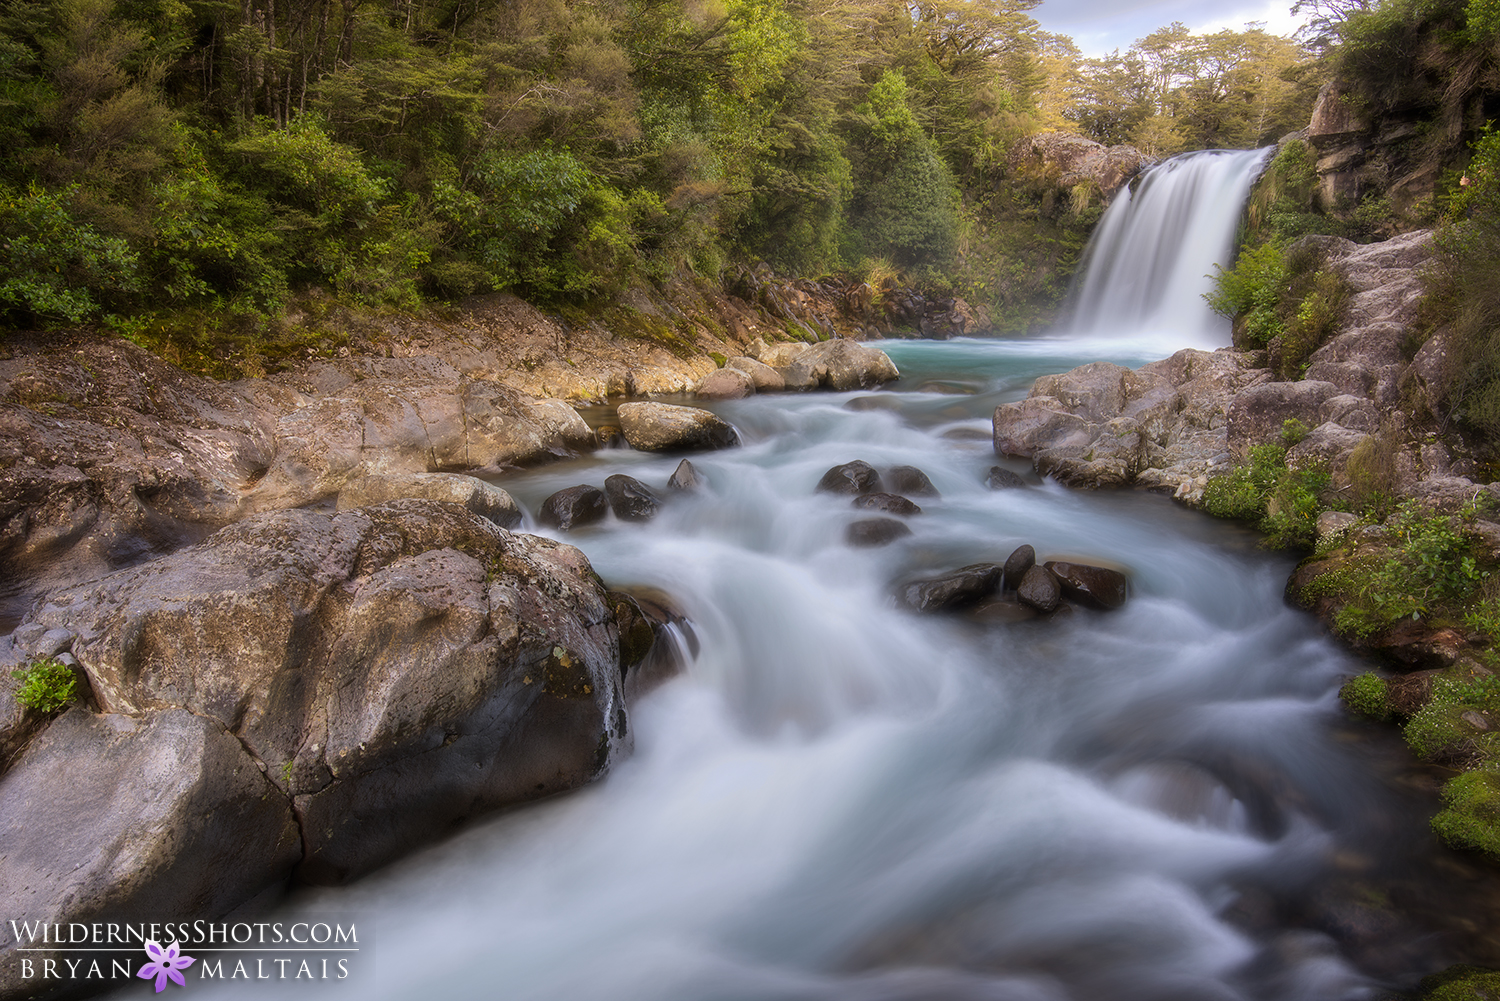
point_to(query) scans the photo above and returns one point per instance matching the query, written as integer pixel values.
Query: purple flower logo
(165, 963)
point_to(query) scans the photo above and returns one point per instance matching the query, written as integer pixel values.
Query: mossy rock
(1462, 983)
(1367, 696)
(1470, 819)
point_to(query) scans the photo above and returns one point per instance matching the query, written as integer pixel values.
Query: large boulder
(1069, 160)
(1162, 425)
(765, 378)
(482, 498)
(395, 669)
(135, 819)
(836, 364)
(663, 427)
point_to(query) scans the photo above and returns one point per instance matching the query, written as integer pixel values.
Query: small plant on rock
(46, 685)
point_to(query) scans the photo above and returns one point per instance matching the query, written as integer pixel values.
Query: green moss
(719, 359)
(1462, 983)
(1470, 817)
(1366, 695)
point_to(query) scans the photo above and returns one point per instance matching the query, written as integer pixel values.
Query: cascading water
(840, 801)
(1148, 263)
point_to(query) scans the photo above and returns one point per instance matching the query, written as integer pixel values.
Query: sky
(1099, 26)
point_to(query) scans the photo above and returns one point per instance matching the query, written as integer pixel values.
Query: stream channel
(839, 800)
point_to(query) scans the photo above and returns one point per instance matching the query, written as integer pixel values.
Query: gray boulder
(573, 507)
(138, 819)
(396, 669)
(663, 427)
(726, 384)
(765, 378)
(483, 499)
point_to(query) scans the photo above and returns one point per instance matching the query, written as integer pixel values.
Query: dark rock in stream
(911, 480)
(685, 477)
(630, 499)
(1040, 589)
(952, 590)
(1016, 565)
(857, 477)
(1001, 478)
(870, 532)
(1090, 586)
(573, 507)
(390, 671)
(888, 503)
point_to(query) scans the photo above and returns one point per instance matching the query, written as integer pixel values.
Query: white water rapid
(1150, 259)
(840, 801)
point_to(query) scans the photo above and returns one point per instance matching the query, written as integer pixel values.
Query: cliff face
(1361, 154)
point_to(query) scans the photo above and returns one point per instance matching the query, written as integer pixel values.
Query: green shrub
(1470, 817)
(46, 685)
(1283, 501)
(1366, 695)
(1430, 569)
(1250, 294)
(55, 267)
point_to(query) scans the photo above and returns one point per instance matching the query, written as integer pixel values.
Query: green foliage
(1428, 571)
(1250, 293)
(1281, 300)
(1366, 695)
(54, 266)
(46, 685)
(1470, 817)
(1282, 501)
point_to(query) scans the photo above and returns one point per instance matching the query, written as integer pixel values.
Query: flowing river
(839, 800)
(836, 800)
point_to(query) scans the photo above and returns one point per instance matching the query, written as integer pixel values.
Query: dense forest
(217, 159)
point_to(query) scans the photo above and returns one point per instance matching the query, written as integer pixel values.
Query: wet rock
(726, 384)
(1091, 586)
(131, 818)
(1016, 565)
(765, 378)
(483, 499)
(1000, 610)
(857, 477)
(398, 668)
(1039, 588)
(663, 427)
(630, 499)
(685, 477)
(573, 507)
(869, 532)
(955, 589)
(1001, 478)
(850, 365)
(889, 503)
(609, 436)
(911, 481)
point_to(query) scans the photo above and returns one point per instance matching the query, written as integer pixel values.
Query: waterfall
(1151, 259)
